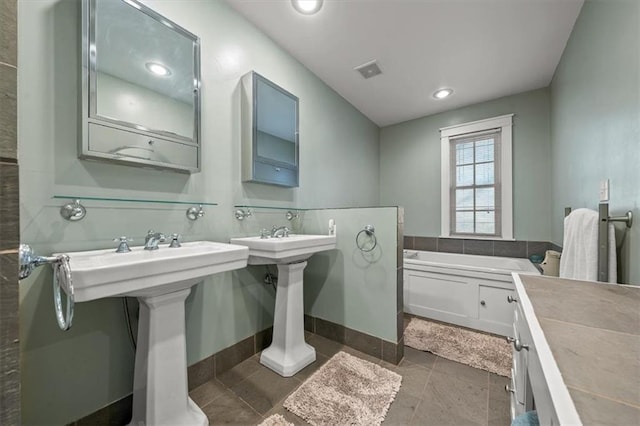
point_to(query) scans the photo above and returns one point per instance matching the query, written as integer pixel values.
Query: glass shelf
(246, 206)
(132, 200)
(73, 210)
(243, 211)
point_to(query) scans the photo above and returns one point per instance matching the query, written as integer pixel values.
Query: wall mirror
(140, 87)
(270, 143)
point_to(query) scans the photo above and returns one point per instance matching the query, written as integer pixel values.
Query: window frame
(503, 123)
(496, 185)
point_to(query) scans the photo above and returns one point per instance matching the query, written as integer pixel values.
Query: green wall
(67, 375)
(410, 164)
(347, 286)
(595, 106)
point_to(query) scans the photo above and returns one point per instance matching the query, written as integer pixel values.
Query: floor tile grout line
(252, 409)
(275, 403)
(459, 378)
(424, 388)
(222, 393)
(423, 366)
(415, 410)
(488, 397)
(228, 388)
(247, 404)
(241, 381)
(287, 395)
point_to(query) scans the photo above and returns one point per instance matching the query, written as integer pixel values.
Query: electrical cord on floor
(127, 317)
(271, 278)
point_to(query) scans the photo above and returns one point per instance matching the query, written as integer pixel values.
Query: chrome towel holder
(627, 219)
(28, 261)
(370, 231)
(603, 236)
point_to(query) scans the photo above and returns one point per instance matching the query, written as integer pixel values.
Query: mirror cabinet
(140, 87)
(270, 145)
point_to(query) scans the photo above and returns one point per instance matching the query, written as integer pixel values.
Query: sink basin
(140, 273)
(161, 280)
(288, 353)
(291, 249)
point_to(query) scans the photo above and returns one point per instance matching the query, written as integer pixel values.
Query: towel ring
(62, 273)
(370, 231)
(28, 261)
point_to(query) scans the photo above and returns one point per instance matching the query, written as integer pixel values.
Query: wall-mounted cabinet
(270, 145)
(141, 108)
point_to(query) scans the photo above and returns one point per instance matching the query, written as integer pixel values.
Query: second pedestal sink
(161, 280)
(288, 353)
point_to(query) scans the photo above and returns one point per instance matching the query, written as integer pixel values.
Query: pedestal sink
(161, 280)
(288, 353)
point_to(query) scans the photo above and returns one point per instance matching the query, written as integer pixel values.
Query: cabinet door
(519, 363)
(494, 306)
(270, 136)
(276, 124)
(438, 296)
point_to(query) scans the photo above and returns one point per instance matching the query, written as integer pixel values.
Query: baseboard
(370, 345)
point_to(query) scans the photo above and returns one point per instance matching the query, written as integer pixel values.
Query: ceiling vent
(368, 70)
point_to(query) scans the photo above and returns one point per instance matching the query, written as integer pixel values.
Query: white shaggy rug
(275, 420)
(345, 391)
(479, 350)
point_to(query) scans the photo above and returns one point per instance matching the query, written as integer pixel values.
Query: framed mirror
(140, 87)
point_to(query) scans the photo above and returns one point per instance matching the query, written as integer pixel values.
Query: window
(475, 185)
(476, 179)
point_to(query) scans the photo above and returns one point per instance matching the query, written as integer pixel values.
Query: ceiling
(482, 49)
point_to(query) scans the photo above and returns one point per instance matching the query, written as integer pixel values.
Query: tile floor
(434, 391)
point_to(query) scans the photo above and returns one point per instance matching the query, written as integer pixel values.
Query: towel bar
(603, 236)
(627, 218)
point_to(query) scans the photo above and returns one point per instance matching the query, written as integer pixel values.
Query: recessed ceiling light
(307, 7)
(158, 69)
(442, 93)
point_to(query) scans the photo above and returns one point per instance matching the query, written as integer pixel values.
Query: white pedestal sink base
(160, 390)
(161, 280)
(288, 352)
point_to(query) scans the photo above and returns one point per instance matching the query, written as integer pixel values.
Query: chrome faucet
(279, 232)
(152, 239)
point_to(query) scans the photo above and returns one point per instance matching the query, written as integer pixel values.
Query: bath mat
(275, 420)
(479, 350)
(346, 390)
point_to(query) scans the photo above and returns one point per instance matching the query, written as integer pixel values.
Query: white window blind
(475, 185)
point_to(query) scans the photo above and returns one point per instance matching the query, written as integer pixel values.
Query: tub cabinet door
(494, 308)
(442, 297)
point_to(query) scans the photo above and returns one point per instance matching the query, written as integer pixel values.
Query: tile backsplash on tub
(522, 249)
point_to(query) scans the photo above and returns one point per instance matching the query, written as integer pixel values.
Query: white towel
(579, 258)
